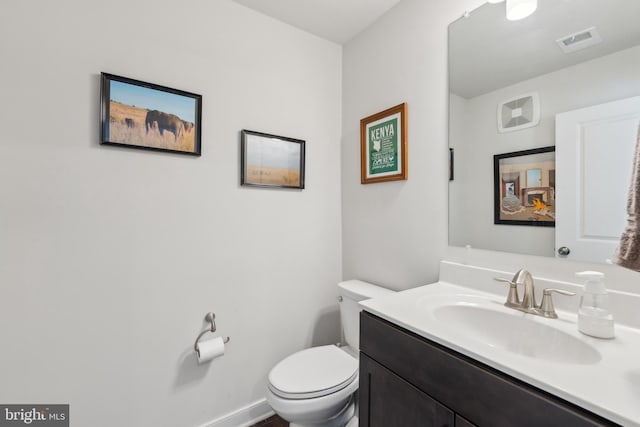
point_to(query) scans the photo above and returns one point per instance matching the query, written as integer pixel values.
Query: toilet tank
(352, 291)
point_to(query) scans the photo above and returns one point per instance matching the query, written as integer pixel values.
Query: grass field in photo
(127, 126)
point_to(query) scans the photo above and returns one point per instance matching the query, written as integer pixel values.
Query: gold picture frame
(383, 146)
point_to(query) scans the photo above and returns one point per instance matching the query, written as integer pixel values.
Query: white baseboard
(244, 417)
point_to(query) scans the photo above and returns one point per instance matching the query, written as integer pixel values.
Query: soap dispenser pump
(594, 317)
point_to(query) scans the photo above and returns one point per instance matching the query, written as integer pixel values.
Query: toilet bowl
(317, 386)
(314, 387)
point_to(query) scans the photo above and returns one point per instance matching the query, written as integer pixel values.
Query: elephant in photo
(165, 122)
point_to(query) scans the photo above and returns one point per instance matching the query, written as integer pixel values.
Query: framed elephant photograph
(148, 116)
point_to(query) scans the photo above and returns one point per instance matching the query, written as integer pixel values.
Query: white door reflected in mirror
(594, 152)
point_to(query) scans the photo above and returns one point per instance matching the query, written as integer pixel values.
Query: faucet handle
(546, 306)
(513, 300)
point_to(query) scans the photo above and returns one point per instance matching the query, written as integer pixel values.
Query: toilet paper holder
(211, 318)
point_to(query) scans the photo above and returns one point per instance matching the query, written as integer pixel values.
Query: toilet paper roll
(210, 349)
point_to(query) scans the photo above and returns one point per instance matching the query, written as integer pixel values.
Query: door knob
(564, 251)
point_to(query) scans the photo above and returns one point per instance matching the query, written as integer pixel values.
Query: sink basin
(516, 332)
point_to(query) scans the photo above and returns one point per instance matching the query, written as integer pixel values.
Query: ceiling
(335, 20)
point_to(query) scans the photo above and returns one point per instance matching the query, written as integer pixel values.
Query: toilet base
(346, 415)
(353, 422)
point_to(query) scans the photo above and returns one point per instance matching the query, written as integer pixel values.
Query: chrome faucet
(528, 303)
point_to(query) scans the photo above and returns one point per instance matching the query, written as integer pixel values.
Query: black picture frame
(271, 161)
(514, 202)
(451, 160)
(148, 116)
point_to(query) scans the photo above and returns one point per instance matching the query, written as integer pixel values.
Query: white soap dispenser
(594, 317)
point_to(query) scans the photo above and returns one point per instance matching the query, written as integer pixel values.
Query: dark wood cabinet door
(386, 400)
(461, 422)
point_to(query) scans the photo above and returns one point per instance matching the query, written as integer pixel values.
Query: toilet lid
(314, 372)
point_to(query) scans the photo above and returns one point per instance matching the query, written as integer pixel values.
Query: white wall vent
(580, 40)
(518, 113)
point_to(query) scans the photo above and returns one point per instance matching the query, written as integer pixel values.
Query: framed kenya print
(383, 146)
(149, 116)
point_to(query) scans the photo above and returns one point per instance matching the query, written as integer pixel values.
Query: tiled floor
(274, 421)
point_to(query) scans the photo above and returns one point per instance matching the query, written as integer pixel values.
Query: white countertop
(609, 387)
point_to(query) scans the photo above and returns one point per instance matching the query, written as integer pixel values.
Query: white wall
(110, 257)
(394, 233)
(601, 80)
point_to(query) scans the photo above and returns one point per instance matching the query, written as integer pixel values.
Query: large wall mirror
(567, 76)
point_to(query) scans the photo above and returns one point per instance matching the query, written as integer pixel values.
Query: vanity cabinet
(393, 401)
(407, 380)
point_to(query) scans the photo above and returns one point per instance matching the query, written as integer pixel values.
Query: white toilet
(316, 386)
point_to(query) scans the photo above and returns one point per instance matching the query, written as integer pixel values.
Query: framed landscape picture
(524, 187)
(148, 116)
(383, 146)
(271, 161)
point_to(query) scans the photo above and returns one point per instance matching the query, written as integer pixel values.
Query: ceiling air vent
(580, 40)
(518, 113)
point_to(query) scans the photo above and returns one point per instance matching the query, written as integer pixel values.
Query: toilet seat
(313, 372)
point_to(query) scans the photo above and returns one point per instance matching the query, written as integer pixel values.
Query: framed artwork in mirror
(533, 204)
(383, 146)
